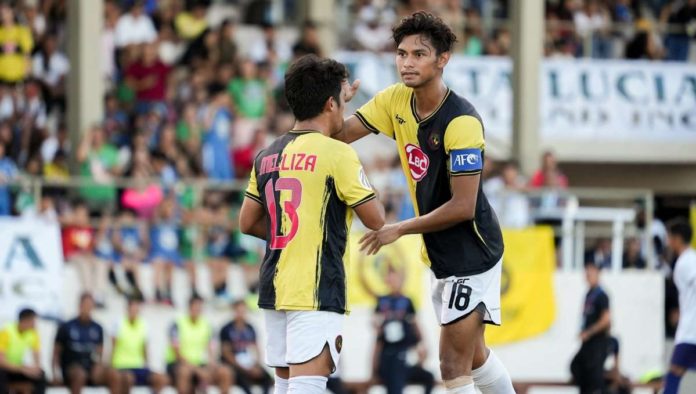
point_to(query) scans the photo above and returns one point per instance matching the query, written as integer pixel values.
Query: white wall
(637, 316)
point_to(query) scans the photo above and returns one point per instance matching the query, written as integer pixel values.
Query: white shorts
(295, 337)
(454, 298)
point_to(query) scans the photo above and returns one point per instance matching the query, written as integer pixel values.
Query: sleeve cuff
(371, 196)
(253, 197)
(366, 123)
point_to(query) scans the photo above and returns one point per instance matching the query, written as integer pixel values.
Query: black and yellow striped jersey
(308, 184)
(449, 142)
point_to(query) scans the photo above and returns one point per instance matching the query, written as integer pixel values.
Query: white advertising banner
(588, 108)
(31, 267)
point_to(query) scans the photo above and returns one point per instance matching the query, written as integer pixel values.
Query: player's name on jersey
(288, 162)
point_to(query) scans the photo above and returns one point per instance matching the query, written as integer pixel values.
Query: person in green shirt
(190, 359)
(129, 354)
(249, 92)
(99, 162)
(16, 339)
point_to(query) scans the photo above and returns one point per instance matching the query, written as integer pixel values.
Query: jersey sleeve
(351, 182)
(375, 115)
(464, 144)
(4, 341)
(252, 190)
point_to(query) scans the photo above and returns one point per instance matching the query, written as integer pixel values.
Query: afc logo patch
(418, 162)
(466, 160)
(339, 343)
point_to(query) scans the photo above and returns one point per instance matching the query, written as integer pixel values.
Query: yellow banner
(528, 306)
(366, 276)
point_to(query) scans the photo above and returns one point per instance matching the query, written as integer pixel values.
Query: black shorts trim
(253, 197)
(484, 320)
(372, 196)
(365, 123)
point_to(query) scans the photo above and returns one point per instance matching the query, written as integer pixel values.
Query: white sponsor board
(31, 267)
(630, 111)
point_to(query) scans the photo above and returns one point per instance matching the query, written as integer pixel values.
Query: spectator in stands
(372, 32)
(228, 46)
(190, 359)
(16, 45)
(115, 122)
(129, 355)
(99, 162)
(549, 176)
(632, 256)
(506, 195)
(112, 13)
(51, 66)
(131, 242)
(240, 352)
(192, 22)
(145, 195)
(8, 174)
(148, 78)
(681, 14)
(135, 27)
(684, 354)
(645, 44)
(220, 245)
(592, 24)
(397, 332)
(16, 340)
(587, 366)
(78, 352)
(164, 253)
(309, 41)
(270, 47)
(250, 94)
(600, 255)
(78, 248)
(218, 136)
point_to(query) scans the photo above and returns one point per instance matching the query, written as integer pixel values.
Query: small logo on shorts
(339, 343)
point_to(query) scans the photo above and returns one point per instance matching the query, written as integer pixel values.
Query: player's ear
(443, 59)
(330, 104)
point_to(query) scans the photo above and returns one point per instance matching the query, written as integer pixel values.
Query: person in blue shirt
(164, 251)
(131, 244)
(217, 136)
(78, 352)
(8, 173)
(239, 351)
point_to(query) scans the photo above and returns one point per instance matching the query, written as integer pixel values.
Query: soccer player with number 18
(441, 145)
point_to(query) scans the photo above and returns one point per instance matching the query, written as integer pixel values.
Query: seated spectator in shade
(506, 194)
(135, 27)
(681, 14)
(600, 255)
(308, 44)
(16, 44)
(148, 78)
(78, 350)
(632, 256)
(240, 352)
(549, 175)
(78, 247)
(129, 355)
(16, 340)
(8, 173)
(51, 66)
(217, 136)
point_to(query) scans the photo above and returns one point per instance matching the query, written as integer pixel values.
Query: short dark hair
(195, 298)
(428, 25)
(681, 228)
(310, 81)
(85, 296)
(27, 313)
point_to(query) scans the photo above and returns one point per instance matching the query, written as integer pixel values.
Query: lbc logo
(418, 162)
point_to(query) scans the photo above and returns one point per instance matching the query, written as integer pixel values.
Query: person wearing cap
(16, 340)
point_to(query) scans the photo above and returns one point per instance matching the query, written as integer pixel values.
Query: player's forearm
(442, 218)
(352, 131)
